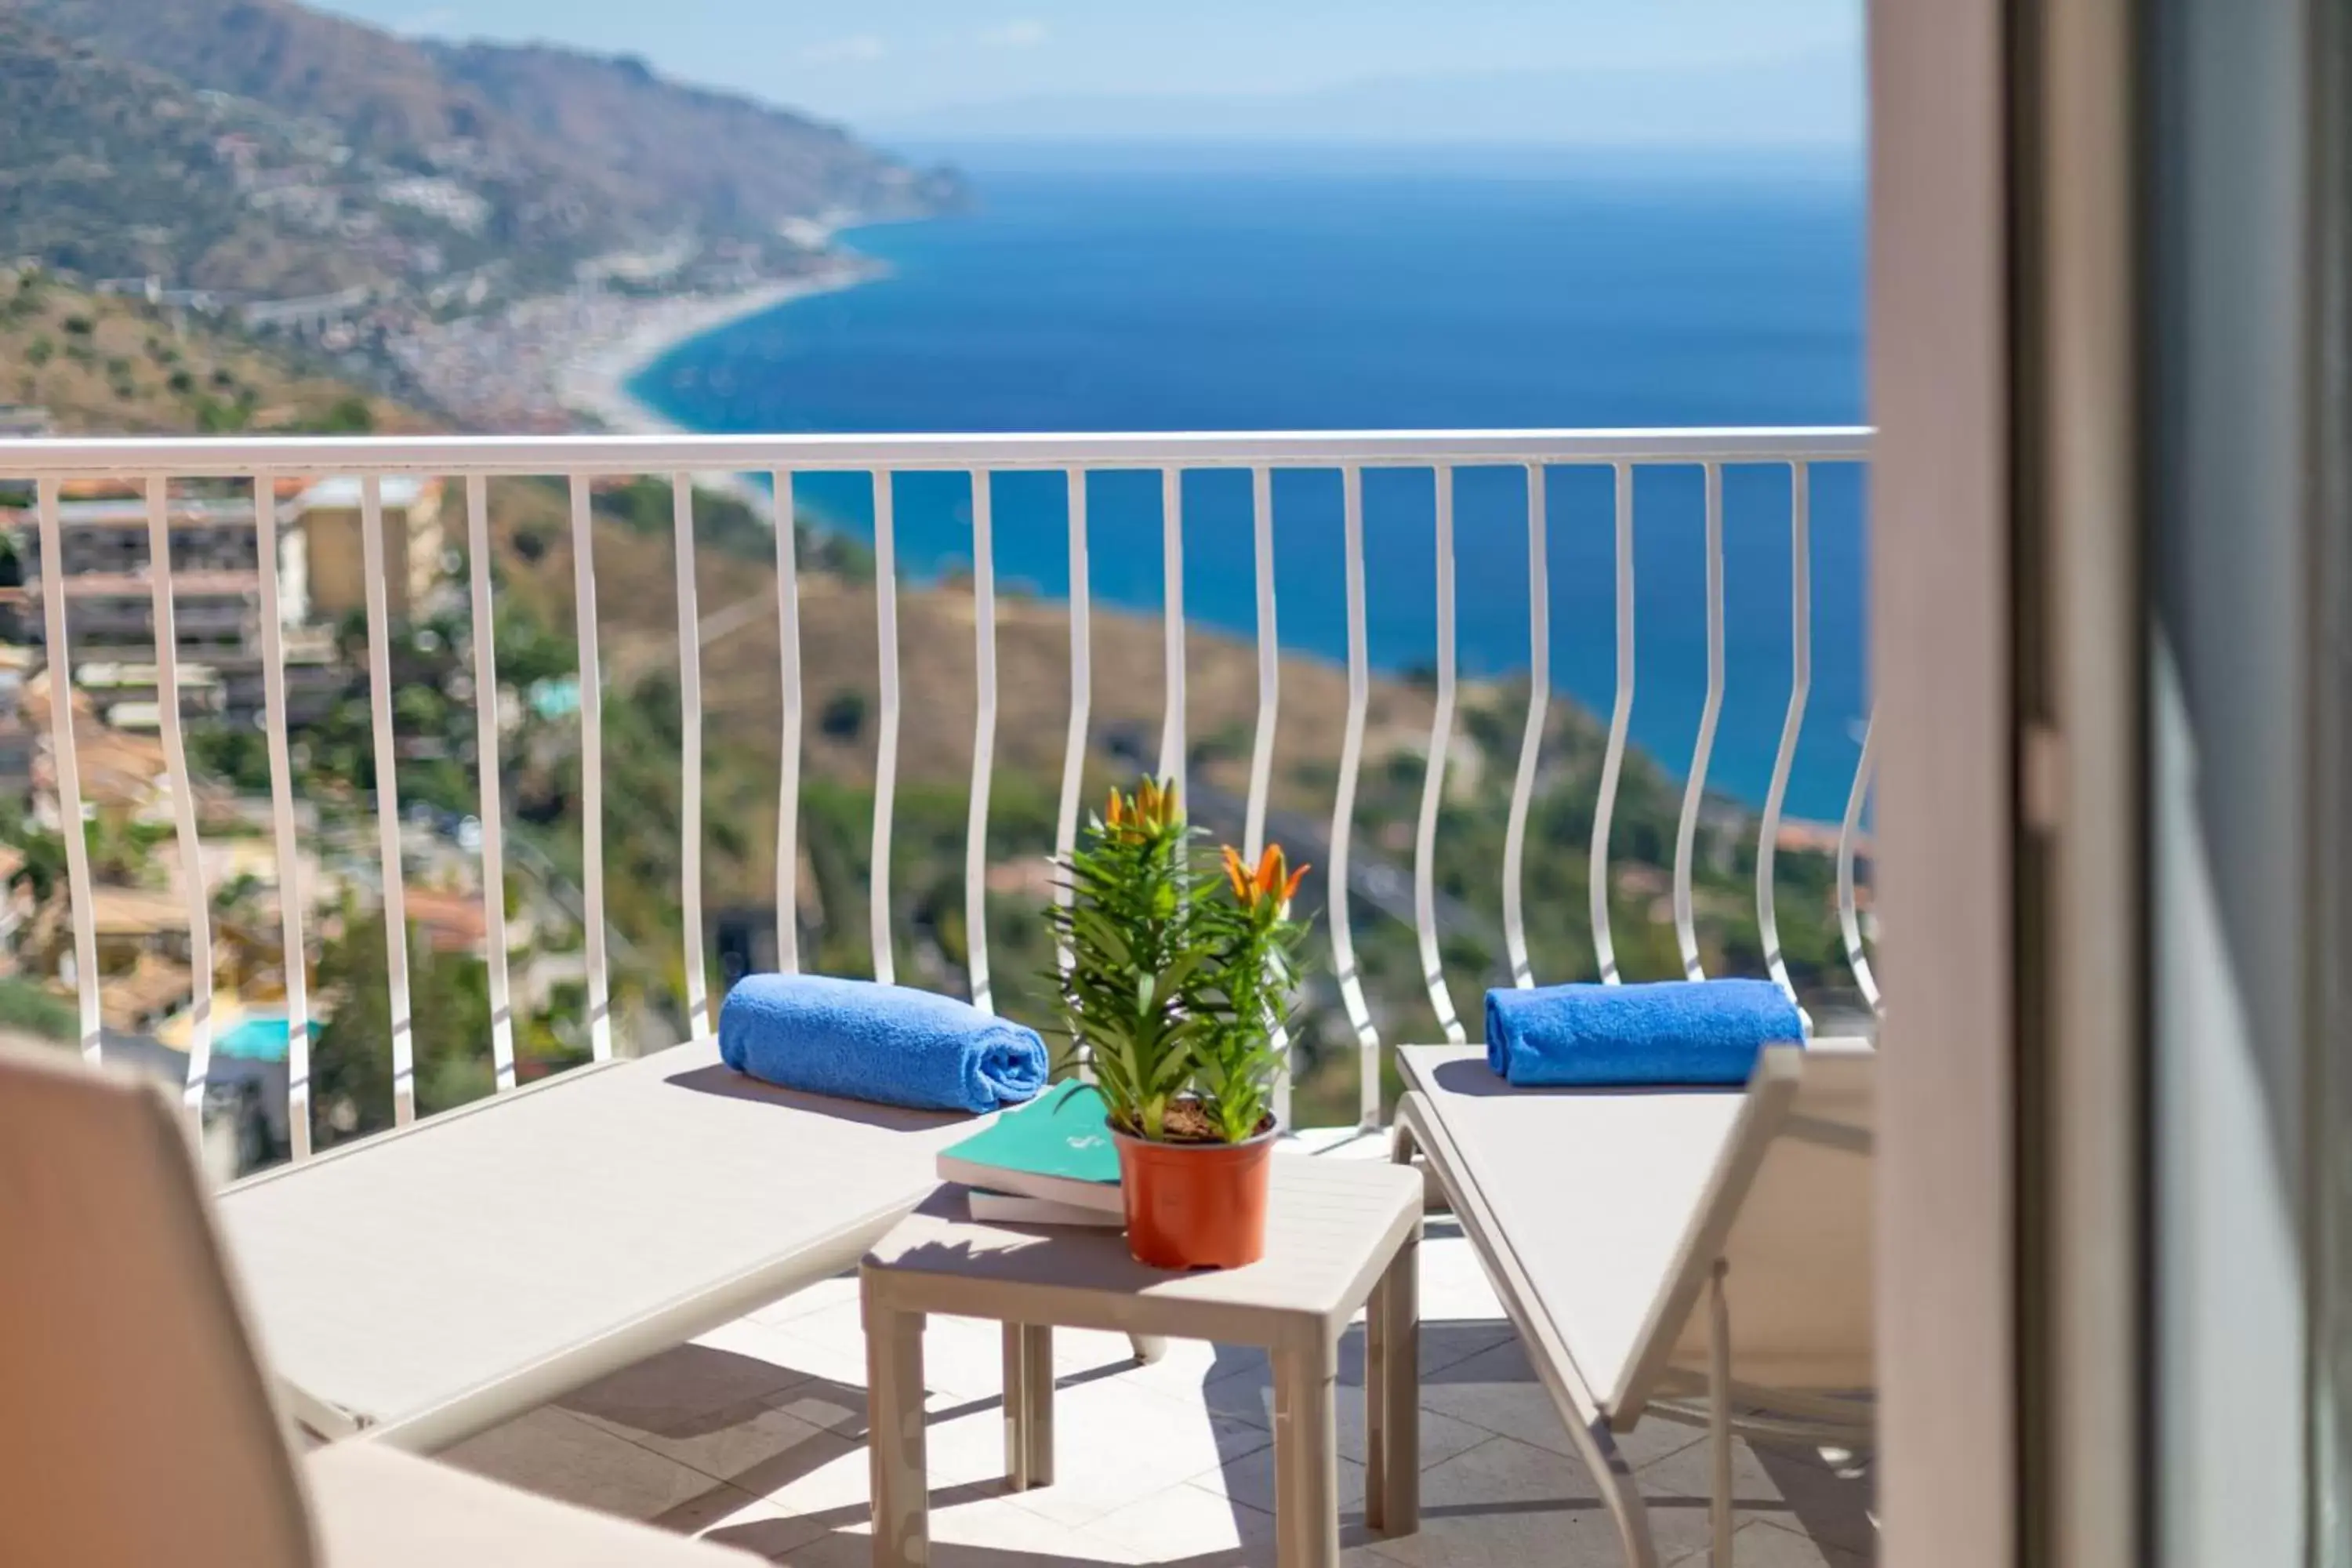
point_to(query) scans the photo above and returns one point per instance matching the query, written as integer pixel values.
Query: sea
(1243, 288)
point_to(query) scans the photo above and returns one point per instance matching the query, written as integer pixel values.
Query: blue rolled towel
(861, 1040)
(1674, 1033)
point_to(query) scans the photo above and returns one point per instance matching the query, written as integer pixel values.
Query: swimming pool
(255, 1038)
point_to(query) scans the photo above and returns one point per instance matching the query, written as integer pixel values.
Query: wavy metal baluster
(1269, 709)
(1515, 833)
(183, 798)
(1801, 685)
(1171, 620)
(983, 741)
(1269, 664)
(67, 761)
(1433, 784)
(295, 959)
(689, 699)
(886, 750)
(1074, 750)
(485, 750)
(387, 802)
(591, 769)
(1694, 790)
(1849, 918)
(788, 774)
(1343, 812)
(1621, 716)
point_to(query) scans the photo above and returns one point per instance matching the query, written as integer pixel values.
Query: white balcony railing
(156, 463)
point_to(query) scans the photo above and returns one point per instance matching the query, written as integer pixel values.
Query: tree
(43, 869)
(348, 416)
(351, 1061)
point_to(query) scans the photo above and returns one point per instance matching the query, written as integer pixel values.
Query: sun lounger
(137, 1426)
(434, 1281)
(1656, 1248)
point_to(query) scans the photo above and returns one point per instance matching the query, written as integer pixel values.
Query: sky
(1685, 71)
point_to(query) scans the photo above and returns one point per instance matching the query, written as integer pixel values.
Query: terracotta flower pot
(1195, 1206)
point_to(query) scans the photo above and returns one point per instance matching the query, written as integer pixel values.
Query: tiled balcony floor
(753, 1435)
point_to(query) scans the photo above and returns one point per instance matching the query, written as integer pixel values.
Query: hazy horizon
(1727, 74)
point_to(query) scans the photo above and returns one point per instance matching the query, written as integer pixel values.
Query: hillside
(112, 170)
(563, 150)
(681, 154)
(110, 365)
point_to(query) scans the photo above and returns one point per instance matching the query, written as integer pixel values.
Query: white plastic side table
(1340, 1234)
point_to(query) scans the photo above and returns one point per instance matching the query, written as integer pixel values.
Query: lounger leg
(1028, 1405)
(895, 1437)
(1718, 1413)
(1148, 1348)
(1598, 1447)
(1393, 1394)
(1306, 1457)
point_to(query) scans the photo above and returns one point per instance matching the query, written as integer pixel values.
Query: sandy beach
(593, 378)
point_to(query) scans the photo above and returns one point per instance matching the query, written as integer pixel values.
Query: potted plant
(1178, 989)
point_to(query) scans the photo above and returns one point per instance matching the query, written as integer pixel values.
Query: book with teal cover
(1057, 1147)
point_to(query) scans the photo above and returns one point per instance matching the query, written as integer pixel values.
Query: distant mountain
(1812, 102)
(112, 170)
(544, 147)
(680, 153)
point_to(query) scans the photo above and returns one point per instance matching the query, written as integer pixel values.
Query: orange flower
(1269, 869)
(1113, 812)
(1274, 879)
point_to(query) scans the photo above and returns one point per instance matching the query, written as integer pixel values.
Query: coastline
(594, 379)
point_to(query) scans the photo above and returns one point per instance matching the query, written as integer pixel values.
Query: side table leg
(1393, 1394)
(895, 1436)
(1028, 1405)
(1306, 1457)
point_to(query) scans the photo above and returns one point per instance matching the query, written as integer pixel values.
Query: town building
(335, 555)
(216, 603)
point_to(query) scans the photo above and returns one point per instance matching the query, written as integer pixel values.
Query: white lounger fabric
(1593, 1188)
(136, 1425)
(1615, 1205)
(434, 1282)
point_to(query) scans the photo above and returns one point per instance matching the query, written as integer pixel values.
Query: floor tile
(1786, 1487)
(1497, 1391)
(1250, 1397)
(558, 1455)
(816, 1297)
(681, 1392)
(1249, 1478)
(986, 1532)
(1453, 1283)
(1762, 1544)
(1114, 1446)
(1200, 1528)
(1506, 1501)
(754, 1446)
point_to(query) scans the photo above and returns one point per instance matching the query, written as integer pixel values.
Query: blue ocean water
(1462, 291)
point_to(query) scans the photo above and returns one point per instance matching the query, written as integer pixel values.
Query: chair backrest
(1788, 1214)
(135, 1425)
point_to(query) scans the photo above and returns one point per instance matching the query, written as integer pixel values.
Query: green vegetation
(217, 381)
(25, 1005)
(449, 1008)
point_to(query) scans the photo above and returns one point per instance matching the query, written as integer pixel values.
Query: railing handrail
(235, 456)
